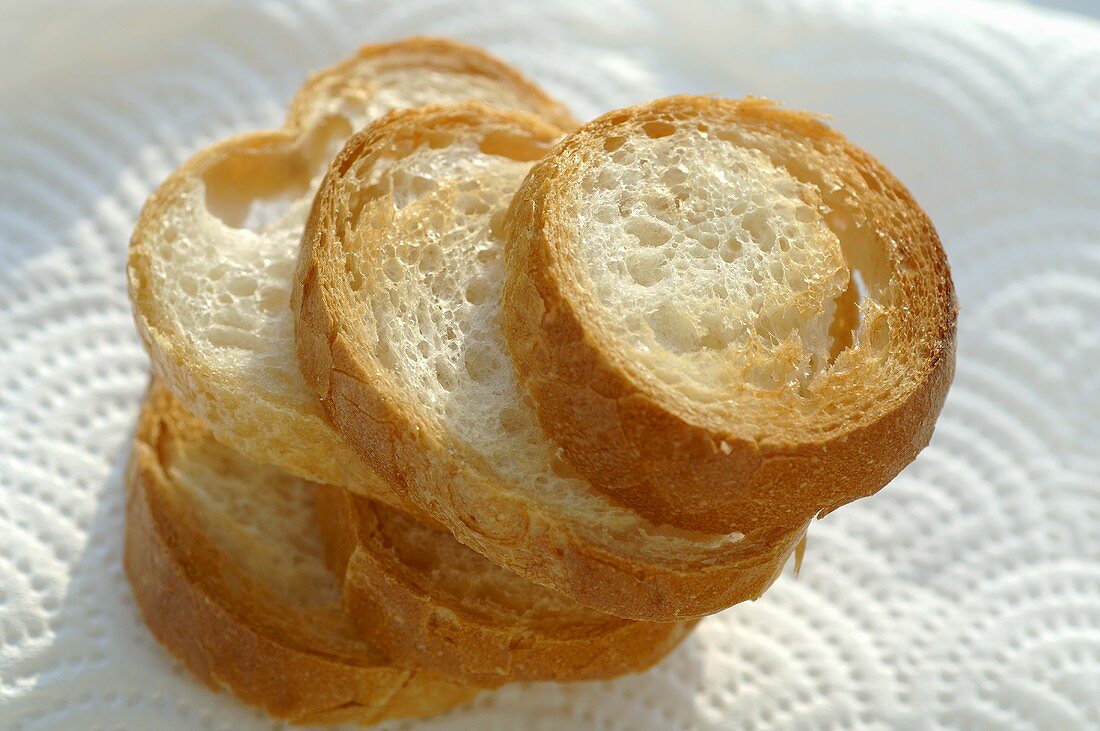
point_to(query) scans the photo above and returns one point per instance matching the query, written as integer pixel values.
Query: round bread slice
(419, 595)
(398, 301)
(212, 256)
(728, 316)
(227, 567)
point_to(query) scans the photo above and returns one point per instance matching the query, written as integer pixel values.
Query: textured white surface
(966, 595)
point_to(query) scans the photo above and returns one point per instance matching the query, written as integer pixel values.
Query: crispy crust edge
(687, 472)
(452, 638)
(175, 573)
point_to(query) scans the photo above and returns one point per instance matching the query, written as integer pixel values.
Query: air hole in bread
(613, 143)
(241, 286)
(623, 157)
(717, 334)
(496, 233)
(224, 337)
(755, 223)
(868, 288)
(251, 189)
(478, 291)
(729, 250)
(273, 299)
(408, 254)
(606, 214)
(189, 285)
(323, 142)
(472, 205)
(232, 318)
(606, 180)
(658, 128)
(408, 189)
(444, 375)
(646, 267)
(674, 175)
(391, 268)
(648, 231)
(430, 257)
(846, 318)
(513, 146)
(480, 362)
(673, 327)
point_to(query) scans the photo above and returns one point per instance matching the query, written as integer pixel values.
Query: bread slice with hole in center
(398, 299)
(421, 596)
(728, 316)
(213, 253)
(226, 563)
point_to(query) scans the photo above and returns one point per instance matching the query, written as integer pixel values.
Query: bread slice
(212, 255)
(226, 563)
(728, 316)
(421, 596)
(398, 304)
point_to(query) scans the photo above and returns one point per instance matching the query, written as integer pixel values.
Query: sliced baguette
(398, 305)
(680, 306)
(421, 596)
(212, 255)
(227, 567)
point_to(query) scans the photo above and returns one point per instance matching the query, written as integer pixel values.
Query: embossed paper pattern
(966, 595)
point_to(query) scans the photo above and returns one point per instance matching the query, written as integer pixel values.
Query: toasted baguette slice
(398, 302)
(422, 596)
(680, 304)
(227, 566)
(212, 256)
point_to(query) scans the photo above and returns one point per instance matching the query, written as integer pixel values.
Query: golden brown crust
(673, 461)
(297, 438)
(230, 631)
(432, 54)
(456, 484)
(492, 629)
(317, 453)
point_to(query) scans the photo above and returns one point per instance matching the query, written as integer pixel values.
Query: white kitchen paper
(966, 595)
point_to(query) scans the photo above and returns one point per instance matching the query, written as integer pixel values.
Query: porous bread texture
(682, 305)
(711, 261)
(227, 567)
(419, 594)
(398, 302)
(212, 256)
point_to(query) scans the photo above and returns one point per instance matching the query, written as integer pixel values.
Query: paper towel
(965, 595)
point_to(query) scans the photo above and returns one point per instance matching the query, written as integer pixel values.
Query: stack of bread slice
(450, 392)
